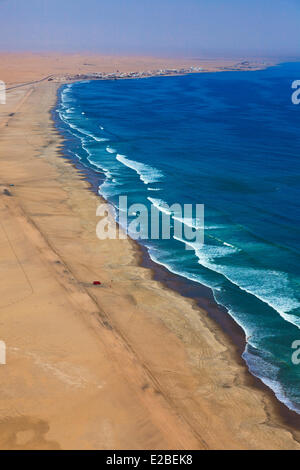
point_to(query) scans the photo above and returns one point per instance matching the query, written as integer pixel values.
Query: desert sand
(16, 68)
(129, 364)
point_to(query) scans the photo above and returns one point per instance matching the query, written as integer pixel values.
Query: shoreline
(58, 67)
(238, 67)
(201, 295)
(128, 365)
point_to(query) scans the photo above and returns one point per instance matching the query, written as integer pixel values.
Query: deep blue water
(230, 141)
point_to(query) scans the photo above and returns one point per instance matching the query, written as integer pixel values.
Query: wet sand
(130, 364)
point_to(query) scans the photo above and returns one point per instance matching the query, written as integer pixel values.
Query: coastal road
(29, 83)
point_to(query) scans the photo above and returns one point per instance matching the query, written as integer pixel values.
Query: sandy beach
(129, 364)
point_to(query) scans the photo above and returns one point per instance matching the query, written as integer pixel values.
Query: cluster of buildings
(119, 75)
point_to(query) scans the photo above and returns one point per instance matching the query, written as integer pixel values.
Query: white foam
(271, 287)
(191, 244)
(161, 205)
(263, 370)
(80, 130)
(189, 222)
(110, 150)
(78, 156)
(89, 134)
(147, 173)
(69, 110)
(214, 227)
(172, 269)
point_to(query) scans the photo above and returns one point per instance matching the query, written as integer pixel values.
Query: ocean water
(230, 141)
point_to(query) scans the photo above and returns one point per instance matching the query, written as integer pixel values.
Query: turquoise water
(229, 141)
